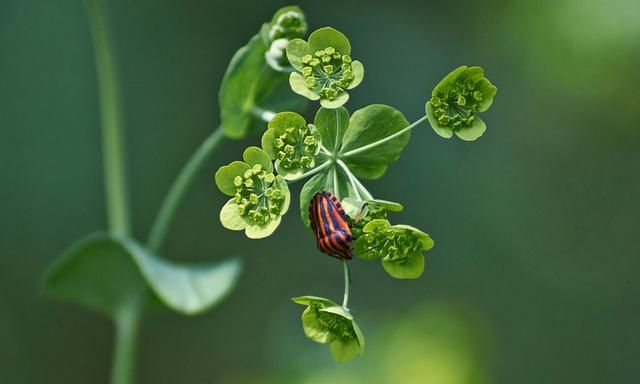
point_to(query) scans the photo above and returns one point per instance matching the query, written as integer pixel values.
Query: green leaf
(254, 231)
(489, 91)
(313, 329)
(250, 83)
(227, 173)
(306, 300)
(297, 82)
(368, 125)
(255, 155)
(343, 351)
(426, 242)
(240, 86)
(329, 37)
(339, 101)
(358, 74)
(441, 130)
(352, 206)
(332, 124)
(411, 267)
(388, 205)
(295, 50)
(230, 218)
(474, 131)
(338, 310)
(102, 272)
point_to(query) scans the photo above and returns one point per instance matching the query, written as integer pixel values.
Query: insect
(329, 224)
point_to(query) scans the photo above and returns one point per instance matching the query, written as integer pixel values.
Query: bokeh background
(534, 277)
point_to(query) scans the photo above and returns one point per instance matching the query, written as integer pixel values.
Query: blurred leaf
(368, 125)
(250, 85)
(102, 272)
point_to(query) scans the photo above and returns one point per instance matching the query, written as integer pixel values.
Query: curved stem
(180, 187)
(311, 172)
(355, 183)
(336, 188)
(325, 151)
(382, 141)
(347, 283)
(111, 120)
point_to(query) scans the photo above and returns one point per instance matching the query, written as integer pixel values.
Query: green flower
(399, 247)
(326, 322)
(292, 143)
(288, 23)
(325, 68)
(259, 198)
(360, 213)
(456, 101)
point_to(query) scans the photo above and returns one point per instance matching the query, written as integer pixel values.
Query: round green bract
(456, 102)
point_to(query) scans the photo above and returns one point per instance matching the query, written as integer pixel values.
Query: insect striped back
(329, 224)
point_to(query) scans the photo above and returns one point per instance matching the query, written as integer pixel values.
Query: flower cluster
(325, 68)
(336, 151)
(456, 101)
(399, 247)
(288, 23)
(292, 143)
(259, 197)
(326, 322)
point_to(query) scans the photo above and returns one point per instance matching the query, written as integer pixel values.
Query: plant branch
(180, 186)
(127, 324)
(111, 120)
(347, 283)
(311, 172)
(367, 147)
(355, 183)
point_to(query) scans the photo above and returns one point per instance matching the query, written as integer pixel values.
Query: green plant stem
(180, 187)
(357, 186)
(311, 172)
(127, 324)
(111, 119)
(384, 140)
(347, 283)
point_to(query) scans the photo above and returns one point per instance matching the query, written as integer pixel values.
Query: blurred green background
(534, 275)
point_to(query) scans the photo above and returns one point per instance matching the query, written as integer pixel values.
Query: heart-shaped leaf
(102, 272)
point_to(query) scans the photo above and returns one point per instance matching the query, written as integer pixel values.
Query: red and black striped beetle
(329, 224)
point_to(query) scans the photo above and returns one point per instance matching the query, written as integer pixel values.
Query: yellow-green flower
(259, 198)
(325, 69)
(456, 101)
(326, 322)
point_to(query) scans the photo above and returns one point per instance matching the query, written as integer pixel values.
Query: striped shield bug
(329, 224)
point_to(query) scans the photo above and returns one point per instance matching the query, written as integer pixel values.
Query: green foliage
(326, 322)
(103, 273)
(325, 68)
(456, 101)
(259, 197)
(251, 85)
(292, 143)
(399, 247)
(369, 125)
(336, 151)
